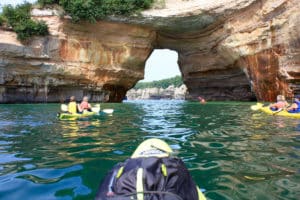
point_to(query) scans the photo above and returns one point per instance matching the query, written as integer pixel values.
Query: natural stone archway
(208, 73)
(228, 50)
(240, 54)
(161, 64)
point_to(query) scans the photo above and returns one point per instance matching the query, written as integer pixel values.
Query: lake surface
(231, 151)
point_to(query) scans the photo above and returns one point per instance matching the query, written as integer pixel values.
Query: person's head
(280, 98)
(85, 98)
(72, 98)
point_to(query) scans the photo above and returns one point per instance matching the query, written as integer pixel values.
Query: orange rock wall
(245, 54)
(101, 60)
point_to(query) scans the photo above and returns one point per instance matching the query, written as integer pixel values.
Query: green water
(231, 152)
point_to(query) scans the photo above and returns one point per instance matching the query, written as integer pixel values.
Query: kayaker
(201, 100)
(295, 107)
(72, 106)
(280, 104)
(84, 105)
(150, 173)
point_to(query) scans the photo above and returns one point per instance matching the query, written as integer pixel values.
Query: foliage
(1, 20)
(18, 14)
(47, 2)
(81, 9)
(19, 19)
(93, 10)
(176, 81)
(30, 28)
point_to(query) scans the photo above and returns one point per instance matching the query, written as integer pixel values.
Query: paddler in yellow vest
(72, 106)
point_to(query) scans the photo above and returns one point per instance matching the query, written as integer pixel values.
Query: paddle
(260, 105)
(64, 107)
(108, 111)
(277, 111)
(257, 106)
(96, 108)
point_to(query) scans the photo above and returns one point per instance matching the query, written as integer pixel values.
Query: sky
(161, 64)
(14, 2)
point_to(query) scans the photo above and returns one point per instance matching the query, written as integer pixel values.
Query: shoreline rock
(158, 93)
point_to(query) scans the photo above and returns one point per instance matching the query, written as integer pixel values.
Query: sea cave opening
(162, 76)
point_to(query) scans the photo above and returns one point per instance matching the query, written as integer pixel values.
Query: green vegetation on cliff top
(19, 19)
(165, 83)
(1, 20)
(93, 10)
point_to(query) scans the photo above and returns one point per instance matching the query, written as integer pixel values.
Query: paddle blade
(96, 109)
(257, 106)
(64, 107)
(108, 111)
(278, 111)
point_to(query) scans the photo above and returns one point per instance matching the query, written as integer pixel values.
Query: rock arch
(229, 50)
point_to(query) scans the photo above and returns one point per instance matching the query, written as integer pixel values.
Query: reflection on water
(232, 153)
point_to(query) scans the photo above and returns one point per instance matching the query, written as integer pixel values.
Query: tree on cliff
(93, 10)
(19, 19)
(165, 83)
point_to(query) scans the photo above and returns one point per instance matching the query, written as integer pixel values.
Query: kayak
(266, 109)
(283, 113)
(70, 116)
(65, 115)
(150, 166)
(158, 148)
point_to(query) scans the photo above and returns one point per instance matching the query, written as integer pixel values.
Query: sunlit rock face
(228, 50)
(101, 60)
(266, 44)
(246, 50)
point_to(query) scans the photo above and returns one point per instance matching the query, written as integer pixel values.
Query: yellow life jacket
(72, 107)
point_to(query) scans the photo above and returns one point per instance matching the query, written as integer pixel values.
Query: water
(231, 152)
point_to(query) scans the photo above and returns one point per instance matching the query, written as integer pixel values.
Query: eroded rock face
(171, 92)
(245, 53)
(101, 60)
(228, 50)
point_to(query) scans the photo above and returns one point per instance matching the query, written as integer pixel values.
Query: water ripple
(232, 152)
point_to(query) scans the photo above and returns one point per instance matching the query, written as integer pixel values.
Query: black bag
(153, 178)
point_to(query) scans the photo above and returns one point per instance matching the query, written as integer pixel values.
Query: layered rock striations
(228, 50)
(101, 60)
(247, 50)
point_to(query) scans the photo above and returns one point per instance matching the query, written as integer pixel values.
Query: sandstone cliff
(158, 93)
(228, 50)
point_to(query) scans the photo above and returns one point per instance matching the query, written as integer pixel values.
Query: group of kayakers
(73, 107)
(282, 104)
